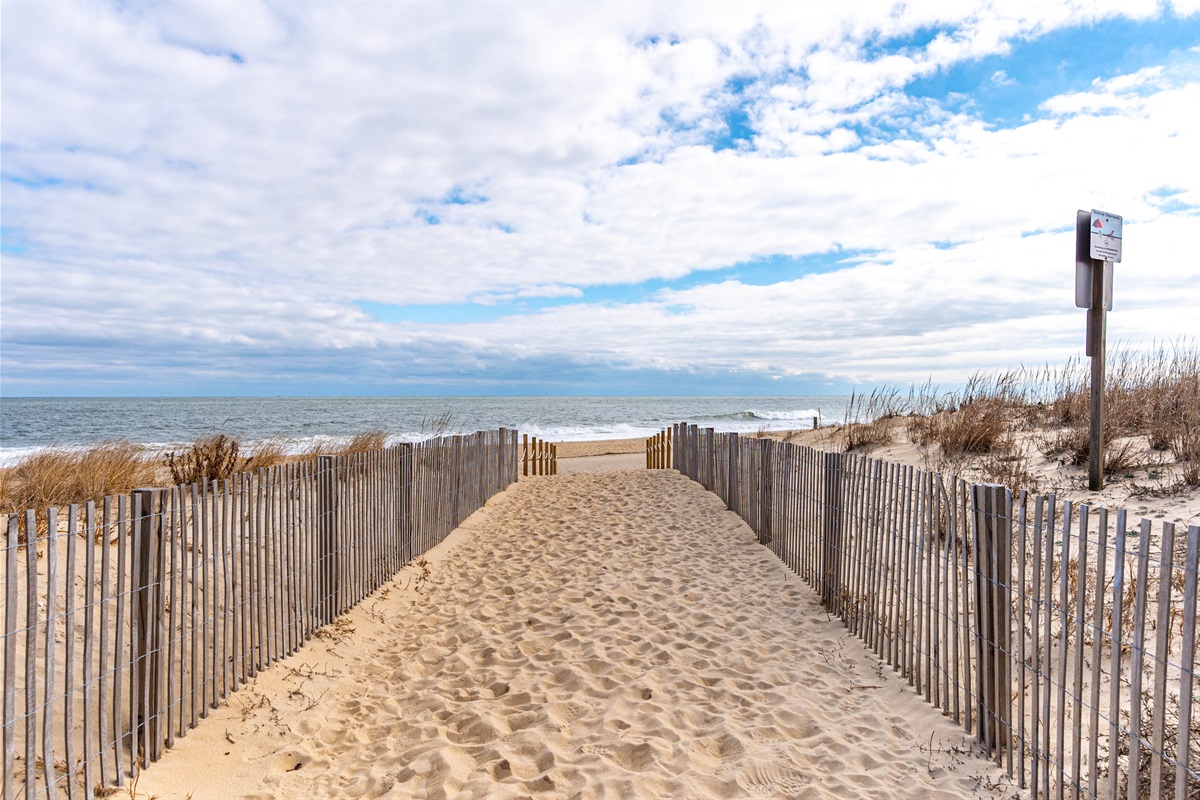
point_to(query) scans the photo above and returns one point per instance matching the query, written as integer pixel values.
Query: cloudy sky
(573, 198)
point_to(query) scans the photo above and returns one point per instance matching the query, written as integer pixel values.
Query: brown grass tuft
(211, 458)
(869, 418)
(365, 442)
(975, 429)
(59, 477)
(266, 453)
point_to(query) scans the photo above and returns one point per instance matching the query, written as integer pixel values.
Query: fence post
(766, 493)
(693, 452)
(501, 474)
(683, 442)
(734, 460)
(993, 556)
(327, 554)
(456, 480)
(148, 606)
(711, 458)
(406, 492)
(831, 513)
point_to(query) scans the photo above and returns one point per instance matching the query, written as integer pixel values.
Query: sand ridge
(614, 635)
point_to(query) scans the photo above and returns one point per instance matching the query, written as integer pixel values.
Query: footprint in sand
(771, 780)
(568, 712)
(635, 757)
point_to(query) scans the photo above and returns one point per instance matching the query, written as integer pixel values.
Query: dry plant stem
(366, 442)
(868, 418)
(211, 458)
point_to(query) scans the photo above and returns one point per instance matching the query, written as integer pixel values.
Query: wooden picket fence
(1062, 636)
(658, 450)
(124, 626)
(538, 456)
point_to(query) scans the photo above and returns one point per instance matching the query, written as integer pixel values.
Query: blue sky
(318, 198)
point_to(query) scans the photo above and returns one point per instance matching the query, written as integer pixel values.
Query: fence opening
(658, 450)
(538, 456)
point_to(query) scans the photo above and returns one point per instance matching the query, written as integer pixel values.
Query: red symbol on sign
(1097, 224)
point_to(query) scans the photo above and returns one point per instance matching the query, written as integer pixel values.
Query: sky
(252, 198)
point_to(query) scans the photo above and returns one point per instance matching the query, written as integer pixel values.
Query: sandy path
(615, 635)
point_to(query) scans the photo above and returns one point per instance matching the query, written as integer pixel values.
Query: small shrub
(1070, 442)
(1121, 455)
(212, 458)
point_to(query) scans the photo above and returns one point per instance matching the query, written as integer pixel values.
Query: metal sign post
(1097, 247)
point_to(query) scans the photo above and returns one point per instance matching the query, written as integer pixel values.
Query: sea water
(160, 423)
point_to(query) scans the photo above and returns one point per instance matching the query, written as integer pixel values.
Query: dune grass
(365, 442)
(59, 476)
(1151, 415)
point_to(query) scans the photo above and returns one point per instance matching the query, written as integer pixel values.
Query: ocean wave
(586, 433)
(804, 414)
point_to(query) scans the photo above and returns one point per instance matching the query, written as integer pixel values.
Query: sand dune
(615, 635)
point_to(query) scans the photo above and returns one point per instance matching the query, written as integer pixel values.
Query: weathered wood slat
(194, 623)
(170, 525)
(1079, 620)
(1114, 696)
(1187, 661)
(69, 662)
(122, 570)
(90, 739)
(1162, 631)
(1097, 651)
(10, 655)
(1137, 656)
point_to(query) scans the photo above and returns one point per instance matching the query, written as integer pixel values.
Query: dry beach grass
(1028, 429)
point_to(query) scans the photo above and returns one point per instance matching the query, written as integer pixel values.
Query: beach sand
(605, 633)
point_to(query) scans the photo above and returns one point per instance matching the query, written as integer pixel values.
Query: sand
(607, 633)
(602, 447)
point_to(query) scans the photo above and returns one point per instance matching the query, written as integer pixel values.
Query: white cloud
(225, 181)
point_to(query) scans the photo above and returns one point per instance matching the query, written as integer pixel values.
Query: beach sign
(1105, 236)
(1084, 264)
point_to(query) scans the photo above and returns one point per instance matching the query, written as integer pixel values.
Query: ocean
(160, 423)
